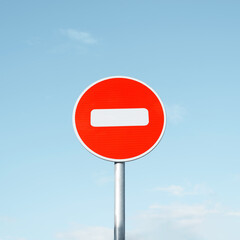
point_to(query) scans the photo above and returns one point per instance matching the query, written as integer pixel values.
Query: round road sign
(119, 119)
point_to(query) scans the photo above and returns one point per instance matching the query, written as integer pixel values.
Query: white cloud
(9, 220)
(33, 41)
(12, 238)
(173, 221)
(6, 219)
(173, 189)
(181, 214)
(175, 113)
(236, 214)
(102, 178)
(176, 190)
(168, 221)
(236, 177)
(179, 221)
(199, 189)
(89, 233)
(79, 36)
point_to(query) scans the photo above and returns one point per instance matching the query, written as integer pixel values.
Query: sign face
(119, 119)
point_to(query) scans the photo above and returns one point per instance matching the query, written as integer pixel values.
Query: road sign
(119, 119)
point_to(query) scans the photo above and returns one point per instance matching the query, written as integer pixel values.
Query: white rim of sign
(113, 159)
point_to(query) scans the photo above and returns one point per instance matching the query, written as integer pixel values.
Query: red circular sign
(119, 119)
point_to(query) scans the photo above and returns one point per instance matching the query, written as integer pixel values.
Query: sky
(188, 51)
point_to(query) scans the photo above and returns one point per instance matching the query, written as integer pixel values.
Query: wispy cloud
(102, 178)
(12, 238)
(173, 189)
(170, 221)
(177, 221)
(175, 113)
(9, 220)
(89, 233)
(236, 177)
(6, 219)
(79, 36)
(236, 214)
(33, 41)
(176, 190)
(180, 213)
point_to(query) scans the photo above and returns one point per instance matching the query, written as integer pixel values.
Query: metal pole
(119, 211)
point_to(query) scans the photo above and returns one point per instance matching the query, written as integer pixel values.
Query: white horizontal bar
(119, 117)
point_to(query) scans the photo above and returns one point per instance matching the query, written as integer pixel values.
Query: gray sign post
(119, 208)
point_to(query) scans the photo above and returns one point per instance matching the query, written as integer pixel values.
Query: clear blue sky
(187, 188)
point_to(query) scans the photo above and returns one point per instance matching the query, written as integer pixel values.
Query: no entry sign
(119, 119)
